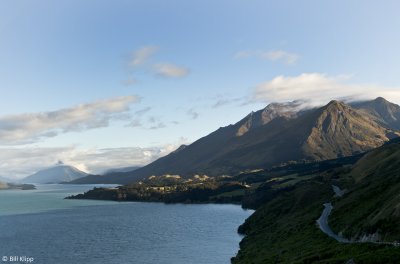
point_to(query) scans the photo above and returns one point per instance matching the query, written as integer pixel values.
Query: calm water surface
(42, 225)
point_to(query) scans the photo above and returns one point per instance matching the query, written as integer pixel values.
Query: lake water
(40, 224)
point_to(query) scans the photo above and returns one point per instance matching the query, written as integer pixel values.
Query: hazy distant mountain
(56, 174)
(123, 169)
(5, 179)
(279, 134)
(104, 178)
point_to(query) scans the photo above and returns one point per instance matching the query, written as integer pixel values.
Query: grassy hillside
(372, 204)
(284, 230)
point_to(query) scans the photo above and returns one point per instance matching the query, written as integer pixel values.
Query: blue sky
(176, 69)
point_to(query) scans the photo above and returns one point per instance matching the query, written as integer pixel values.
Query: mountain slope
(122, 169)
(283, 229)
(266, 115)
(383, 112)
(341, 131)
(373, 199)
(272, 136)
(57, 174)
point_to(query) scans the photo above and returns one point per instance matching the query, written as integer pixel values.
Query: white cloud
(141, 59)
(142, 55)
(272, 55)
(316, 89)
(31, 127)
(170, 70)
(280, 55)
(20, 162)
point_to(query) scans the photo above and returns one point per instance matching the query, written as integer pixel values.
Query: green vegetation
(284, 230)
(372, 205)
(173, 189)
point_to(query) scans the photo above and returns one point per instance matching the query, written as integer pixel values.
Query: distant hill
(56, 174)
(123, 169)
(105, 178)
(278, 134)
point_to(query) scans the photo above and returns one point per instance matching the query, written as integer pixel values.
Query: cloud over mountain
(316, 89)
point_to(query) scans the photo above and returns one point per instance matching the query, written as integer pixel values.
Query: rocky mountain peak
(266, 115)
(383, 111)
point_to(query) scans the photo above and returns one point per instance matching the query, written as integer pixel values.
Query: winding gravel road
(324, 226)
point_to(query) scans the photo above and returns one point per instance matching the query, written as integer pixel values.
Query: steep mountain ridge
(383, 112)
(341, 130)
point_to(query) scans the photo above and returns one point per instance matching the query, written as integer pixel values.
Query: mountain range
(276, 135)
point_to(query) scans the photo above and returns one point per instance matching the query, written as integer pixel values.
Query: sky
(100, 84)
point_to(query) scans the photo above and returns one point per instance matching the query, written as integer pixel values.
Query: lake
(40, 225)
